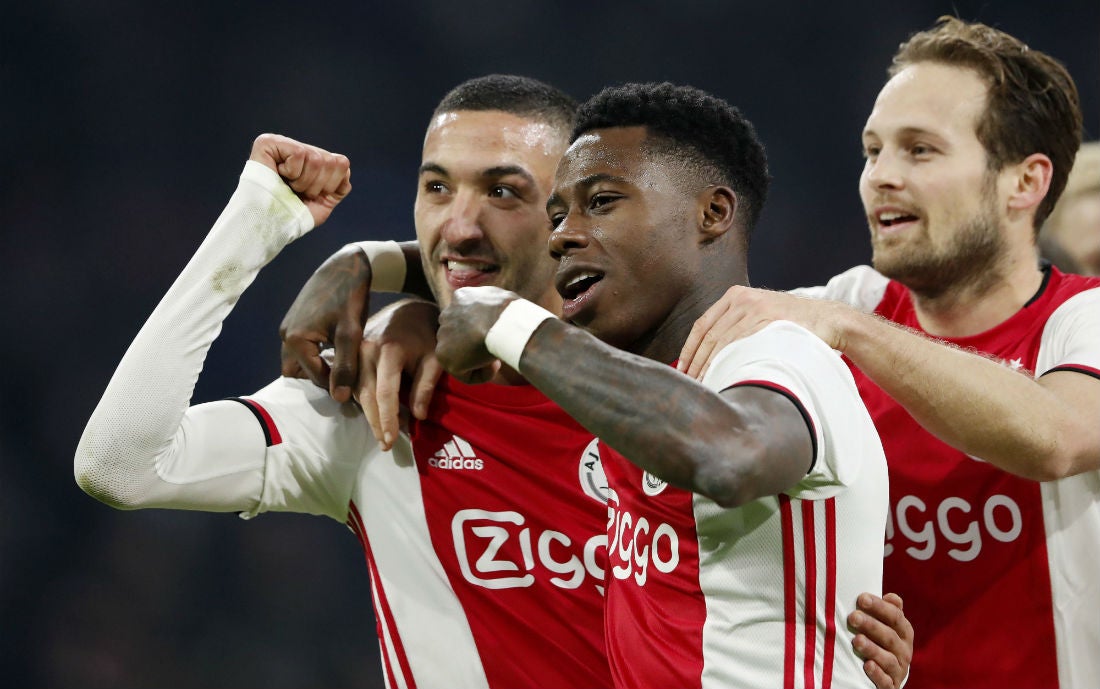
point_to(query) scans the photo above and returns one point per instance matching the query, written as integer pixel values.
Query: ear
(1030, 182)
(717, 212)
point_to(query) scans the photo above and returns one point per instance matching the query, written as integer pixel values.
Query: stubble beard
(967, 262)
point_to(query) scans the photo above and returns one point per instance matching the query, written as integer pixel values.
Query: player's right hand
(321, 179)
(399, 339)
(330, 309)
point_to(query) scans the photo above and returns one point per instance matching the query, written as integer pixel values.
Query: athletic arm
(333, 305)
(144, 446)
(733, 447)
(1040, 428)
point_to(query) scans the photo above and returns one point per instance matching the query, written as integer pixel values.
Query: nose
(567, 236)
(463, 222)
(883, 171)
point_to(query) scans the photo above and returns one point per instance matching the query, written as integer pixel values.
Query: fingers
(347, 343)
(391, 364)
(695, 338)
(896, 601)
(365, 390)
(425, 380)
(888, 613)
(884, 638)
(310, 171)
(301, 358)
(879, 676)
(315, 173)
(290, 368)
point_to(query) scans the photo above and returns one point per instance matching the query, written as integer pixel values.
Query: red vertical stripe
(789, 577)
(810, 542)
(830, 592)
(383, 605)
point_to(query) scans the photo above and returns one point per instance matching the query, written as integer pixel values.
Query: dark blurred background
(123, 128)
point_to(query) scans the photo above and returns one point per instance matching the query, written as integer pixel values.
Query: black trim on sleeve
(1076, 369)
(271, 433)
(767, 385)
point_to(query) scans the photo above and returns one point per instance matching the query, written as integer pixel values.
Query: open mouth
(579, 284)
(890, 219)
(577, 290)
(469, 273)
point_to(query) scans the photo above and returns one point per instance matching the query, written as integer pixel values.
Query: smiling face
(624, 236)
(934, 208)
(480, 204)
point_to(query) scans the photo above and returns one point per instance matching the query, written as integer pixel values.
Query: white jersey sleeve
(316, 452)
(791, 360)
(143, 446)
(861, 287)
(1071, 337)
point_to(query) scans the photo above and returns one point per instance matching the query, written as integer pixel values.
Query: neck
(975, 306)
(664, 343)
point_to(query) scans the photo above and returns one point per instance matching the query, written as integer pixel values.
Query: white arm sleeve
(142, 446)
(794, 362)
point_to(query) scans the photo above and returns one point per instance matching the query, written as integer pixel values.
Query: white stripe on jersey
(403, 558)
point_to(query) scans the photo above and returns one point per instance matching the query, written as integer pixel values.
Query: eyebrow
(488, 173)
(904, 131)
(585, 182)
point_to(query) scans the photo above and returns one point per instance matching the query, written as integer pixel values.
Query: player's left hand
(743, 311)
(884, 639)
(463, 327)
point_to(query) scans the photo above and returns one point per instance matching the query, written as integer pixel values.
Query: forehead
(477, 140)
(932, 97)
(615, 152)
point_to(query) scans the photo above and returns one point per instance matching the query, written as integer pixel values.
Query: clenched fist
(321, 179)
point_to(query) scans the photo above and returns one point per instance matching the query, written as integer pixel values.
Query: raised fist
(321, 179)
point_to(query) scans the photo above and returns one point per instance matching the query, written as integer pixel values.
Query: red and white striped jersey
(755, 596)
(484, 533)
(998, 572)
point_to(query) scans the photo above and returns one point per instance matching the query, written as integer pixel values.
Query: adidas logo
(456, 454)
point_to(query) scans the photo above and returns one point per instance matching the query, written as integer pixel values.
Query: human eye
(871, 151)
(921, 150)
(502, 191)
(434, 186)
(601, 200)
(557, 216)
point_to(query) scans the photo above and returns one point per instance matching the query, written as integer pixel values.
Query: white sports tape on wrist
(514, 327)
(387, 265)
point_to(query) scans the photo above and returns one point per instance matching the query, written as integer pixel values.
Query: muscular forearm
(133, 450)
(983, 407)
(665, 422)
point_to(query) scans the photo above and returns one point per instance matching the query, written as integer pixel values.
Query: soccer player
(746, 513)
(968, 147)
(484, 528)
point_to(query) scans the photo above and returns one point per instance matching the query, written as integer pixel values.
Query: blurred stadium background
(124, 127)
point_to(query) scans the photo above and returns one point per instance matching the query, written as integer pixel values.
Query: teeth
(890, 217)
(459, 265)
(582, 276)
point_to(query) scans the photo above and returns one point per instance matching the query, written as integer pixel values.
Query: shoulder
(861, 287)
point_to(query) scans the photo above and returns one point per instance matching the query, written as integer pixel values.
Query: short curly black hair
(712, 138)
(518, 95)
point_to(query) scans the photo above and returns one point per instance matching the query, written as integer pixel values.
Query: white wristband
(387, 265)
(509, 335)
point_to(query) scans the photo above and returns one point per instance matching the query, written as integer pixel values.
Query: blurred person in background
(1070, 238)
